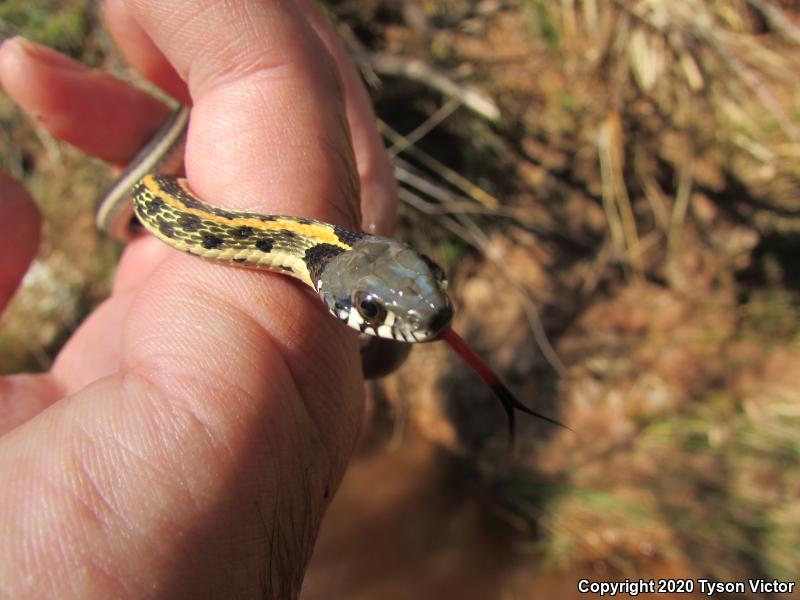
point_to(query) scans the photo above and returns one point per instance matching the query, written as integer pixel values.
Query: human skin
(193, 430)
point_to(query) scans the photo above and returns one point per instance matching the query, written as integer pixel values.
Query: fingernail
(45, 55)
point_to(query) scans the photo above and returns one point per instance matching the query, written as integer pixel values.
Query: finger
(22, 397)
(375, 171)
(141, 53)
(378, 188)
(141, 256)
(20, 225)
(89, 109)
(297, 133)
(93, 351)
(100, 335)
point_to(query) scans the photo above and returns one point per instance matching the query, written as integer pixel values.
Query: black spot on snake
(346, 236)
(288, 235)
(221, 212)
(190, 222)
(189, 201)
(170, 186)
(154, 206)
(166, 230)
(210, 242)
(265, 244)
(318, 256)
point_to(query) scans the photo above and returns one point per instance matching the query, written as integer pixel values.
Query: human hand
(200, 419)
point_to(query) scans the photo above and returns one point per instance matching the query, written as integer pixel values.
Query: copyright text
(684, 586)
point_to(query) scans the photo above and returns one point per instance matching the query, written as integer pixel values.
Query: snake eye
(372, 311)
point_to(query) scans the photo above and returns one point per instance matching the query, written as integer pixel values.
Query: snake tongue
(485, 372)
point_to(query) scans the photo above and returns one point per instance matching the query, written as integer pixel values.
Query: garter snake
(374, 284)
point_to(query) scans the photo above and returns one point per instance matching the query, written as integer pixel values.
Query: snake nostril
(441, 319)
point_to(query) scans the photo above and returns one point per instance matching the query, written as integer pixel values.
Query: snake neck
(296, 246)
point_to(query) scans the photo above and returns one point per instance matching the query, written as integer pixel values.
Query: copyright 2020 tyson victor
(708, 587)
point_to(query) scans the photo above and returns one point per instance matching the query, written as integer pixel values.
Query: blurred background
(614, 189)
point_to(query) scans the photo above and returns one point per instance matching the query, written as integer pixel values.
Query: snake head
(382, 287)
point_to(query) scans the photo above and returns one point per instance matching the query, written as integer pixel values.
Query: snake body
(162, 154)
(376, 285)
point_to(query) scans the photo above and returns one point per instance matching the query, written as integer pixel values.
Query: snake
(376, 285)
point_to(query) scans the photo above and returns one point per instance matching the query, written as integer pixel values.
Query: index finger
(268, 107)
(378, 187)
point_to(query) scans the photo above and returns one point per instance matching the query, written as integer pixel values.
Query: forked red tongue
(486, 373)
